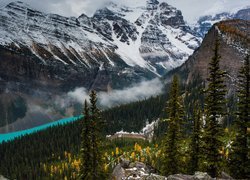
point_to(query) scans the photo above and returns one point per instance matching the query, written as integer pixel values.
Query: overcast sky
(191, 9)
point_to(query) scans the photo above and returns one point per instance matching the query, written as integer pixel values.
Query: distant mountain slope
(206, 22)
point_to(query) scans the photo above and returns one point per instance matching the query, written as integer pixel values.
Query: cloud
(61, 7)
(78, 7)
(226, 6)
(79, 95)
(136, 92)
(193, 9)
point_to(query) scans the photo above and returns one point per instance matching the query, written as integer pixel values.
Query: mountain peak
(17, 4)
(104, 13)
(205, 22)
(153, 2)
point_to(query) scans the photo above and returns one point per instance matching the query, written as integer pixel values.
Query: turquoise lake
(13, 135)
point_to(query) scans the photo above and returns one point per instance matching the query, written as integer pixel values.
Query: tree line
(193, 124)
(206, 142)
(205, 148)
(23, 158)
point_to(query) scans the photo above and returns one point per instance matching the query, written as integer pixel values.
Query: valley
(115, 48)
(47, 56)
(129, 92)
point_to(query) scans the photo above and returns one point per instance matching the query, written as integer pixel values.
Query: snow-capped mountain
(154, 37)
(45, 56)
(206, 22)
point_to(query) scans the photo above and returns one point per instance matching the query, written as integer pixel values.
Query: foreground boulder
(138, 170)
(134, 170)
(2, 178)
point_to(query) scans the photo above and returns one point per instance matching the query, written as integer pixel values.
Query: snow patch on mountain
(129, 13)
(206, 22)
(129, 52)
(153, 37)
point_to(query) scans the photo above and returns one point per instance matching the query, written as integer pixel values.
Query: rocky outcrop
(137, 170)
(134, 170)
(233, 36)
(2, 178)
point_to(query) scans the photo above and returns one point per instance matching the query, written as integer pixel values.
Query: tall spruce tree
(239, 160)
(92, 166)
(214, 107)
(171, 143)
(195, 145)
(86, 147)
(97, 163)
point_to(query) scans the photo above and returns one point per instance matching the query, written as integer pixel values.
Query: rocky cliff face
(43, 56)
(234, 41)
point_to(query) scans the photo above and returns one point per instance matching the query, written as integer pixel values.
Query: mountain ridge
(45, 56)
(205, 22)
(107, 31)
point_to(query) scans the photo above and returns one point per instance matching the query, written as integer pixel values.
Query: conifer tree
(92, 166)
(214, 107)
(195, 145)
(97, 162)
(86, 149)
(239, 160)
(171, 143)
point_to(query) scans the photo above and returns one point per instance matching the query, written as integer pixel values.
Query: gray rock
(134, 170)
(155, 177)
(132, 173)
(197, 176)
(118, 172)
(225, 176)
(201, 176)
(2, 178)
(180, 177)
(138, 170)
(125, 163)
(140, 165)
(131, 165)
